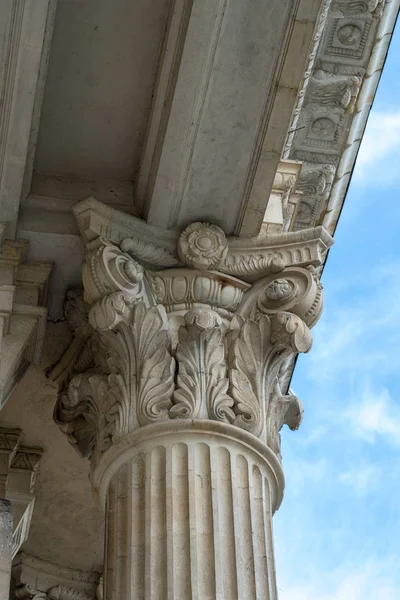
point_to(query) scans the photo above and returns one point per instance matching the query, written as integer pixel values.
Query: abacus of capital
(174, 396)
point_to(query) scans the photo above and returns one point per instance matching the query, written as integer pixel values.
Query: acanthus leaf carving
(141, 366)
(149, 253)
(136, 383)
(82, 413)
(282, 410)
(250, 349)
(202, 381)
(220, 365)
(244, 266)
(258, 349)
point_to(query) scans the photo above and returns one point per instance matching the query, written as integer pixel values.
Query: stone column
(189, 509)
(180, 412)
(5, 548)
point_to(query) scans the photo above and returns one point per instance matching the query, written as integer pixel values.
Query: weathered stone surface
(179, 408)
(5, 548)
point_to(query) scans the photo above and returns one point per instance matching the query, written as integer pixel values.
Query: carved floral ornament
(186, 343)
(58, 592)
(202, 246)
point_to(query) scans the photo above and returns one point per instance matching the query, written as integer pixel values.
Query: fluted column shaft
(189, 515)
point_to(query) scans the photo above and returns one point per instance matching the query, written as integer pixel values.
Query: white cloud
(371, 582)
(362, 478)
(360, 337)
(379, 154)
(304, 472)
(375, 414)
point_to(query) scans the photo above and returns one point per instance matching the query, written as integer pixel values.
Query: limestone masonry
(171, 176)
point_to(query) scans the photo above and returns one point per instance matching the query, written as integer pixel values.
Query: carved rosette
(202, 246)
(186, 343)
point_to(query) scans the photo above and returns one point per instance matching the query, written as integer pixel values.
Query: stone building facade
(171, 177)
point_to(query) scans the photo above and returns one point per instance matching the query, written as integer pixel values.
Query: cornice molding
(42, 580)
(339, 86)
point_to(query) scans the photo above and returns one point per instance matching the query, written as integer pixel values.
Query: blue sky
(338, 530)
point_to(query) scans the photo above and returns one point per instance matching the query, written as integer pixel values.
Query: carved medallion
(202, 246)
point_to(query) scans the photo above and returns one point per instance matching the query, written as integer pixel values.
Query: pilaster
(25, 35)
(23, 314)
(175, 397)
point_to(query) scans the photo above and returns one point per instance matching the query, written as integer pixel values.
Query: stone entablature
(18, 478)
(33, 578)
(23, 314)
(333, 104)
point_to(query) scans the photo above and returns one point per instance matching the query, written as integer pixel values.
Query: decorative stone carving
(284, 198)
(202, 381)
(79, 355)
(279, 289)
(282, 410)
(107, 269)
(182, 343)
(58, 592)
(257, 353)
(316, 179)
(358, 7)
(180, 289)
(299, 292)
(82, 418)
(315, 184)
(329, 90)
(241, 265)
(149, 253)
(247, 258)
(178, 410)
(321, 27)
(202, 246)
(342, 63)
(36, 578)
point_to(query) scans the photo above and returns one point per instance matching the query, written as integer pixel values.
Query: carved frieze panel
(315, 184)
(348, 38)
(328, 100)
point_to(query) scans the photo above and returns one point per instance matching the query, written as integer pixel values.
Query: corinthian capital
(188, 342)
